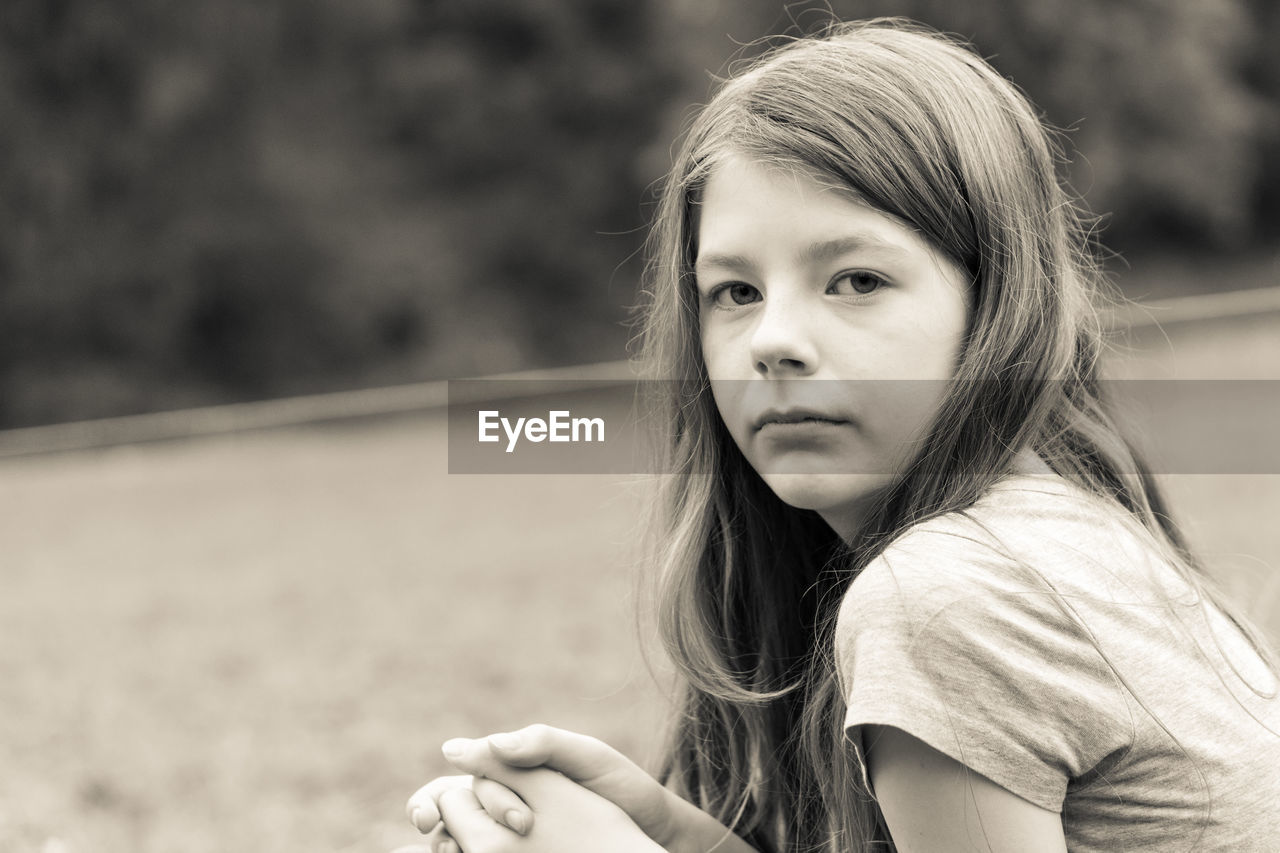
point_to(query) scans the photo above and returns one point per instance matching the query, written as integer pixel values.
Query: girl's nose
(781, 344)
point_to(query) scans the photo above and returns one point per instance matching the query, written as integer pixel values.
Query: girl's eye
(735, 294)
(859, 283)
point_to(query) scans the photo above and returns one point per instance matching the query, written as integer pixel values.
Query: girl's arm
(934, 804)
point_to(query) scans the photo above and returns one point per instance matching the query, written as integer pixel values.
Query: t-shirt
(1041, 639)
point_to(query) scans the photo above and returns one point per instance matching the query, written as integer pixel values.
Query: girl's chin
(825, 492)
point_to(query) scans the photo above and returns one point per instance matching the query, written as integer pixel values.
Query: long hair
(917, 125)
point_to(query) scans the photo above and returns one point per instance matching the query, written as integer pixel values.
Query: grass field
(257, 642)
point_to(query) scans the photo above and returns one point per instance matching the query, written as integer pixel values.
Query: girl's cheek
(710, 355)
(720, 348)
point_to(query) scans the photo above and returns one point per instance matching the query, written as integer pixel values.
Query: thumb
(580, 757)
(476, 757)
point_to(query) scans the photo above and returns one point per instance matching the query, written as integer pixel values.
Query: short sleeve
(979, 656)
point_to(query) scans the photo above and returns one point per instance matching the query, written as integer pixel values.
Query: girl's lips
(796, 418)
(808, 425)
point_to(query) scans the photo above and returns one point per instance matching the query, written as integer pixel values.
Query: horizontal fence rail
(429, 396)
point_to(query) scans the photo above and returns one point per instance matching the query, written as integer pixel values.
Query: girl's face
(797, 280)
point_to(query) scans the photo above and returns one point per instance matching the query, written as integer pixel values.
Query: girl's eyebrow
(825, 250)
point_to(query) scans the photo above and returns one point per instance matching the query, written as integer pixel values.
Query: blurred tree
(527, 117)
(226, 199)
(1263, 73)
(133, 215)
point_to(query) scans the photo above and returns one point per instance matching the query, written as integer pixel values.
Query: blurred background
(257, 640)
(225, 200)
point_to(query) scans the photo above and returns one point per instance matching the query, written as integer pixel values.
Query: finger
(503, 805)
(433, 843)
(476, 758)
(580, 757)
(421, 807)
(529, 784)
(468, 823)
(442, 841)
(439, 839)
(589, 762)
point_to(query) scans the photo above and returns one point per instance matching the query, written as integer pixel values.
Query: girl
(919, 588)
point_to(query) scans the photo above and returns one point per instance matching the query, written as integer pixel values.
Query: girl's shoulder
(1035, 531)
(1036, 562)
(1029, 510)
(1040, 563)
(1021, 534)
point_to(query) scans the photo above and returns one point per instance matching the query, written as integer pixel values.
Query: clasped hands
(546, 790)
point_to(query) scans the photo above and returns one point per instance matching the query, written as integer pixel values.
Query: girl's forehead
(779, 174)
(738, 188)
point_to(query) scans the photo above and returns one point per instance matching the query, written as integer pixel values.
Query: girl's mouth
(796, 418)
